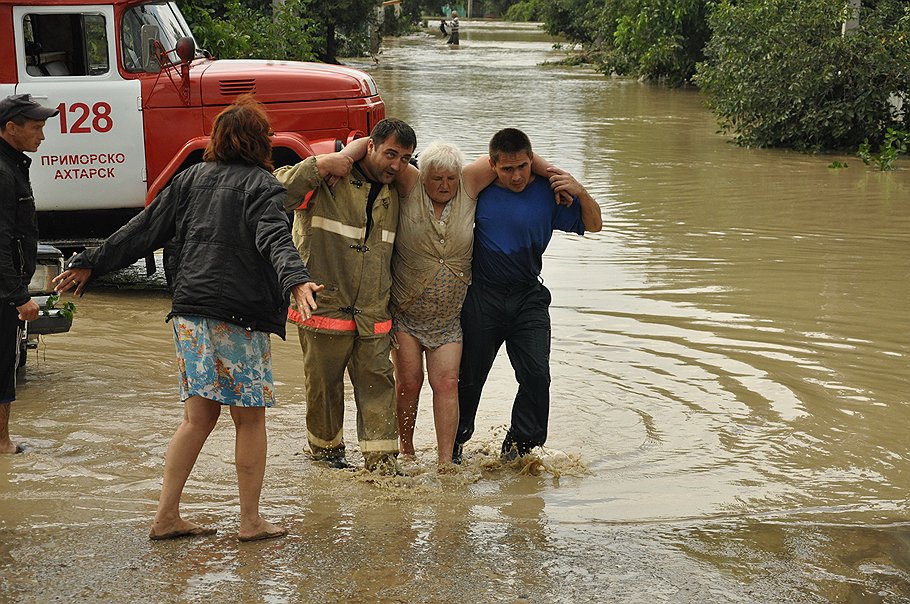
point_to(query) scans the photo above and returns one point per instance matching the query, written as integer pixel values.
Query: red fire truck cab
(137, 100)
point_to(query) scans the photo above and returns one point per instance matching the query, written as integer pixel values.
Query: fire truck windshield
(171, 27)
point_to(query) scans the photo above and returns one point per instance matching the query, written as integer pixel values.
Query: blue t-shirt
(512, 231)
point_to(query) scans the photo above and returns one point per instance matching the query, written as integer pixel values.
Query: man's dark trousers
(520, 317)
(10, 327)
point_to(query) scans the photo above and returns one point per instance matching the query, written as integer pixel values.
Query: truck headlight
(41, 282)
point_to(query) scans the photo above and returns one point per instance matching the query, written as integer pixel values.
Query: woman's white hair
(442, 156)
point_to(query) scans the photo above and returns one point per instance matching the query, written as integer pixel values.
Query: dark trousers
(10, 327)
(520, 318)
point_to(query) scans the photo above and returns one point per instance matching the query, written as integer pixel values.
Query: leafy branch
(67, 309)
(894, 145)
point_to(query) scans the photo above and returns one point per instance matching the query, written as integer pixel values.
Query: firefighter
(344, 227)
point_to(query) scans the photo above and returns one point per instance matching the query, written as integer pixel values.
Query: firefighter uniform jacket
(330, 232)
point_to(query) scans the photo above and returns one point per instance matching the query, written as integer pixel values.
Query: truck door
(94, 155)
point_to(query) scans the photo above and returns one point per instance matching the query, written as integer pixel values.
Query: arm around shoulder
(299, 179)
(357, 149)
(478, 175)
(563, 182)
(590, 212)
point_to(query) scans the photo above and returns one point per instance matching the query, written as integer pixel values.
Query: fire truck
(137, 99)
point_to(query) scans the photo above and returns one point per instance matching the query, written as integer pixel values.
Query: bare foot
(177, 529)
(262, 529)
(10, 448)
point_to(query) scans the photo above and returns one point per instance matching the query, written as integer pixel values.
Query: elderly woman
(231, 264)
(431, 271)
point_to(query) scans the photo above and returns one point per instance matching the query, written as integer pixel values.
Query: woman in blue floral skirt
(232, 266)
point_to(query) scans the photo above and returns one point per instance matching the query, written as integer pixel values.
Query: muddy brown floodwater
(730, 391)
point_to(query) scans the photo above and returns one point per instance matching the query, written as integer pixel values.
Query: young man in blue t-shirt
(507, 301)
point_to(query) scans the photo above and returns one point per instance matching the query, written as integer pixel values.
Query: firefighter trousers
(369, 367)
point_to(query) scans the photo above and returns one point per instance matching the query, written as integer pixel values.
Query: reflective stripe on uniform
(328, 323)
(378, 446)
(321, 322)
(325, 444)
(388, 236)
(306, 200)
(384, 327)
(295, 317)
(316, 322)
(339, 228)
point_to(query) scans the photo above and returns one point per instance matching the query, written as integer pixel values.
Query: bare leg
(442, 369)
(199, 418)
(249, 457)
(408, 360)
(6, 445)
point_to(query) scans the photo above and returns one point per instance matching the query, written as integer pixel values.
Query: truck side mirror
(149, 39)
(186, 49)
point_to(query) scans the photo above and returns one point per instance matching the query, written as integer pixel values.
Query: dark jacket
(227, 244)
(18, 226)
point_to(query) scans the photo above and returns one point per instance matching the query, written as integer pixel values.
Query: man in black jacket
(21, 129)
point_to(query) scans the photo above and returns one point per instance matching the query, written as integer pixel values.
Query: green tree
(656, 39)
(576, 20)
(527, 10)
(344, 25)
(491, 7)
(402, 19)
(289, 29)
(780, 73)
(238, 30)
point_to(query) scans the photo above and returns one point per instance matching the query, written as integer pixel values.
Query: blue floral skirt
(223, 362)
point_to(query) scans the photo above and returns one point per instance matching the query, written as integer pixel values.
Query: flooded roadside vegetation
(729, 396)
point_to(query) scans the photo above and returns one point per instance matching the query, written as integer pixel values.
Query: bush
(779, 72)
(894, 145)
(527, 10)
(651, 39)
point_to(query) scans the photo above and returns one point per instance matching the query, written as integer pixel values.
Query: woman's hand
(305, 297)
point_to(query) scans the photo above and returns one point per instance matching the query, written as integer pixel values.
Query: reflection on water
(729, 377)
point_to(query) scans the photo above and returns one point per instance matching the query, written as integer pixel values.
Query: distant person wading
(453, 38)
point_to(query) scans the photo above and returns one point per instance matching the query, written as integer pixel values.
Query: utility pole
(470, 9)
(852, 21)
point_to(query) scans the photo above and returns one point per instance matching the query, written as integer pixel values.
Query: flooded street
(729, 410)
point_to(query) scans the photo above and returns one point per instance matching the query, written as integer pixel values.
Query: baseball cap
(22, 104)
